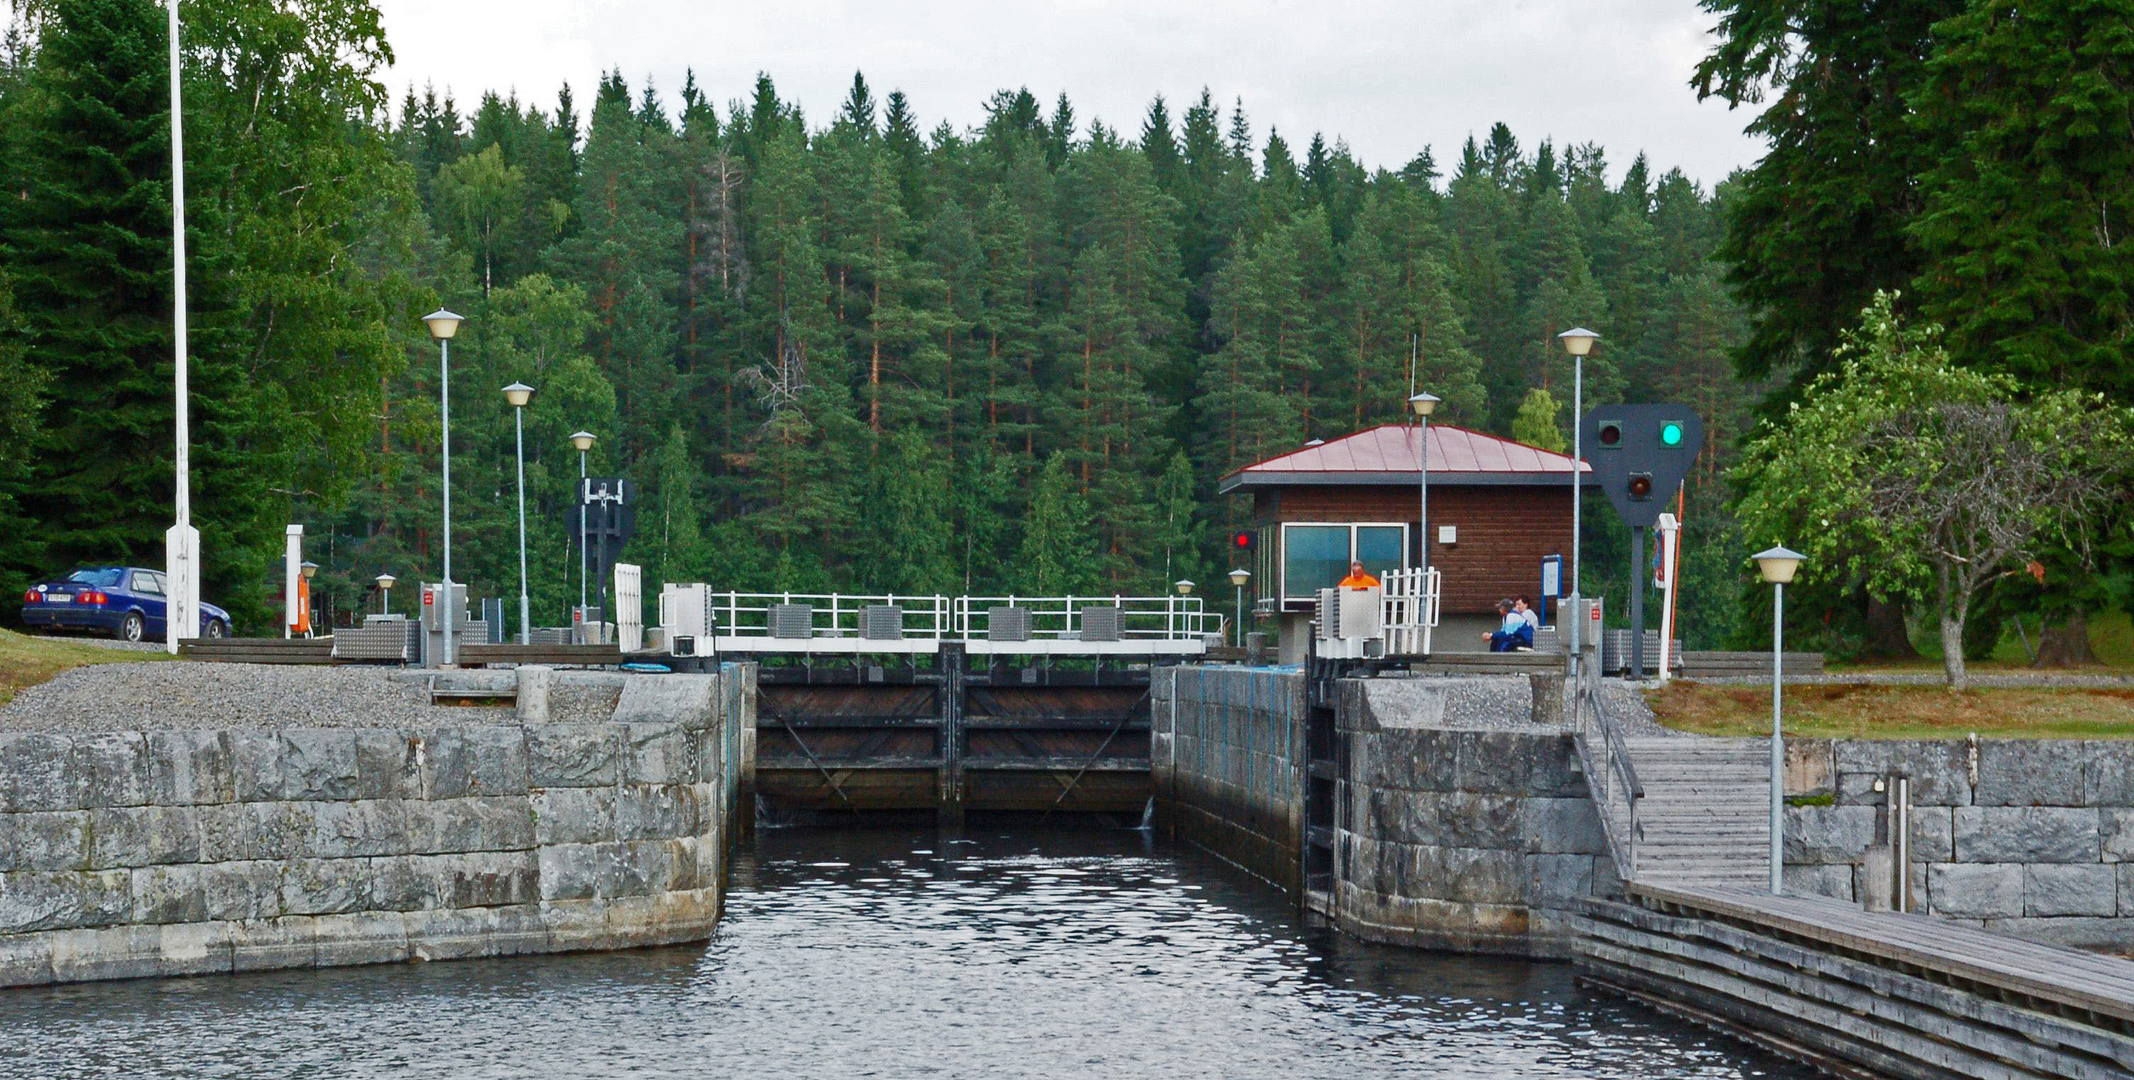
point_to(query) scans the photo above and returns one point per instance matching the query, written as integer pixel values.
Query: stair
(1705, 818)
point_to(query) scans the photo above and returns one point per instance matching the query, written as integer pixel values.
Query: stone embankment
(177, 846)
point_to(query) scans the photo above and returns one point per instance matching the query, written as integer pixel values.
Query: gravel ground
(1626, 704)
(167, 696)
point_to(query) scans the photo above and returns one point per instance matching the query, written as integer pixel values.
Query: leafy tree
(1538, 422)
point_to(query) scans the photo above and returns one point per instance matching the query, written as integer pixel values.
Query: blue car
(126, 602)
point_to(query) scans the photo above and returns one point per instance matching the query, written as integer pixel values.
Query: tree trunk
(1887, 637)
(2067, 644)
(1952, 611)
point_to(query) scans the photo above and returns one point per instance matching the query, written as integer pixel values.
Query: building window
(1317, 556)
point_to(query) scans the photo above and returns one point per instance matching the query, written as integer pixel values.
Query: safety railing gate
(1411, 610)
(1610, 777)
(630, 607)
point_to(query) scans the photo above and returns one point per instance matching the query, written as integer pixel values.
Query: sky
(1388, 76)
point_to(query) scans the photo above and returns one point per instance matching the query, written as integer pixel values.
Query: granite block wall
(172, 852)
(2034, 837)
(1227, 763)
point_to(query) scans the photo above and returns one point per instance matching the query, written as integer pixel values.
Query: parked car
(126, 602)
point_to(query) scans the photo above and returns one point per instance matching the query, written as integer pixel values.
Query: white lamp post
(1185, 588)
(583, 440)
(1422, 405)
(309, 570)
(518, 394)
(1777, 566)
(385, 593)
(443, 324)
(181, 543)
(1578, 341)
(1238, 578)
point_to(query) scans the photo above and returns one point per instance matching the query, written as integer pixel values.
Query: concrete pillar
(534, 682)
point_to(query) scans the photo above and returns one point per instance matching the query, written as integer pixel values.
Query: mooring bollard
(534, 682)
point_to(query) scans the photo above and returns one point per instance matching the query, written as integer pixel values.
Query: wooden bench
(585, 655)
(1484, 663)
(1747, 665)
(317, 650)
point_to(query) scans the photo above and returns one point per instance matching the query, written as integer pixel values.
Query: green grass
(1855, 711)
(27, 661)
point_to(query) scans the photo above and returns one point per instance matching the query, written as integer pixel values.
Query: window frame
(1281, 558)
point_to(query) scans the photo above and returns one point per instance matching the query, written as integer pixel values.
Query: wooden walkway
(1705, 819)
(1864, 994)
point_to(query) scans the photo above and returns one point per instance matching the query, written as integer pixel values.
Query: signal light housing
(1611, 435)
(1640, 486)
(1243, 539)
(1671, 434)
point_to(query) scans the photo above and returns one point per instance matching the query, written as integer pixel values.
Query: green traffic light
(1671, 433)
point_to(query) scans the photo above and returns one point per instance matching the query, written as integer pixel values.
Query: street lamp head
(1184, 587)
(1423, 404)
(308, 568)
(1778, 564)
(518, 394)
(1240, 577)
(1578, 341)
(443, 324)
(385, 581)
(583, 440)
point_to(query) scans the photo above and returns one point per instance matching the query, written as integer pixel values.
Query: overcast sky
(1389, 76)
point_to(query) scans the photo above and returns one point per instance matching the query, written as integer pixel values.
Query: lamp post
(518, 394)
(1423, 405)
(181, 543)
(1578, 341)
(583, 440)
(1185, 588)
(1238, 578)
(1777, 566)
(443, 324)
(308, 570)
(385, 593)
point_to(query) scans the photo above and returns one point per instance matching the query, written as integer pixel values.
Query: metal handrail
(1614, 775)
(1164, 618)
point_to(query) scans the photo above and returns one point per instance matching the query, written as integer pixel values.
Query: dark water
(901, 954)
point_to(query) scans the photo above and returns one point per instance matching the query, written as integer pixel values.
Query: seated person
(1514, 634)
(1525, 607)
(1358, 578)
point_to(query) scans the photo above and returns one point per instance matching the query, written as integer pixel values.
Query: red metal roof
(1386, 454)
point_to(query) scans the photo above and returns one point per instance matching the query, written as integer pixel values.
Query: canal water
(849, 953)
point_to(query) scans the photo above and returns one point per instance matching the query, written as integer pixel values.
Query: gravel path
(167, 696)
(1626, 704)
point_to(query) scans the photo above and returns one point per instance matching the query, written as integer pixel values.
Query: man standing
(1358, 578)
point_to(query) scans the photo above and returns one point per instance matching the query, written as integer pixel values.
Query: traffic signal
(1242, 540)
(1640, 451)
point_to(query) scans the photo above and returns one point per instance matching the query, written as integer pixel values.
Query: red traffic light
(1242, 539)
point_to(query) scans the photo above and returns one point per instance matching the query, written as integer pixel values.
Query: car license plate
(58, 598)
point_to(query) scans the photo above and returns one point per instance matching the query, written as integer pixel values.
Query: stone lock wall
(1461, 826)
(2033, 837)
(1227, 765)
(175, 852)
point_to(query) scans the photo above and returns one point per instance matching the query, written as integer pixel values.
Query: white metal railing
(1411, 610)
(629, 607)
(1060, 618)
(834, 615)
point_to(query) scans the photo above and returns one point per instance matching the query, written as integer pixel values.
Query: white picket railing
(1411, 610)
(1059, 618)
(629, 607)
(834, 615)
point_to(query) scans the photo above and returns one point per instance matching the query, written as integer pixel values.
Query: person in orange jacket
(1358, 578)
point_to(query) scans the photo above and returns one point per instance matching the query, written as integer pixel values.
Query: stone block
(47, 840)
(1413, 760)
(33, 900)
(1933, 834)
(1811, 767)
(1976, 890)
(677, 701)
(360, 937)
(2031, 772)
(114, 952)
(2126, 891)
(256, 765)
(325, 886)
(481, 823)
(1940, 770)
(1829, 834)
(659, 754)
(142, 836)
(1832, 880)
(669, 918)
(2026, 834)
(37, 773)
(1483, 821)
(319, 764)
(112, 768)
(1556, 881)
(475, 761)
(2108, 776)
(274, 944)
(194, 948)
(567, 871)
(401, 883)
(343, 830)
(651, 812)
(483, 878)
(25, 959)
(386, 766)
(1477, 876)
(1494, 762)
(2070, 889)
(2110, 935)
(573, 815)
(572, 755)
(190, 768)
(576, 924)
(242, 890)
(1556, 771)
(225, 830)
(1563, 826)
(534, 684)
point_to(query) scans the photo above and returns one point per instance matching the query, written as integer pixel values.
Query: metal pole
(1637, 603)
(1578, 457)
(1778, 746)
(581, 536)
(1423, 456)
(183, 571)
(444, 398)
(525, 606)
(1241, 616)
